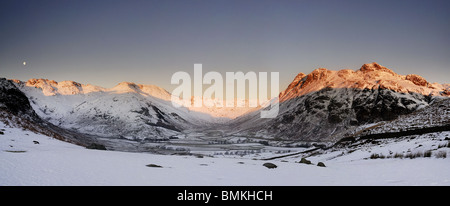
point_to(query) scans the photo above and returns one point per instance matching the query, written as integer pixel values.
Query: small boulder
(321, 164)
(305, 161)
(270, 165)
(153, 165)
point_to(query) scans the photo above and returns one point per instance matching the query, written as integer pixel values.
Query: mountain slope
(16, 111)
(127, 110)
(325, 104)
(434, 118)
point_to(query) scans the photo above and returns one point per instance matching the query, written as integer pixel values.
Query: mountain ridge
(320, 106)
(370, 76)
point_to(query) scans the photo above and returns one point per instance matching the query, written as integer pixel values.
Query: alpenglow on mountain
(325, 105)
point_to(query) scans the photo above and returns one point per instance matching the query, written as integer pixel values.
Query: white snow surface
(53, 162)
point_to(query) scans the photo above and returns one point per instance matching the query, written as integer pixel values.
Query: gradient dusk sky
(104, 42)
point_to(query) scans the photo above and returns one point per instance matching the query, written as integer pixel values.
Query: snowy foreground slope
(27, 158)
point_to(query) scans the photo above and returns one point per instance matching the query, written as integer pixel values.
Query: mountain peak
(37, 82)
(126, 84)
(126, 87)
(319, 74)
(375, 67)
(147, 90)
(52, 87)
(299, 76)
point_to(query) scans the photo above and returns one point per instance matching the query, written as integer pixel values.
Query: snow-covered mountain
(324, 105)
(16, 111)
(369, 76)
(127, 110)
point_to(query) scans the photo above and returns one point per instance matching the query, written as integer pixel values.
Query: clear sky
(104, 42)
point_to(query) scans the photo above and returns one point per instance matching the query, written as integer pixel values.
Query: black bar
(170, 195)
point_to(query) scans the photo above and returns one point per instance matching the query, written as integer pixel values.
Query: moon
(24, 63)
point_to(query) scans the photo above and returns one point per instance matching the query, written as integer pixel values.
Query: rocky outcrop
(375, 67)
(13, 100)
(417, 80)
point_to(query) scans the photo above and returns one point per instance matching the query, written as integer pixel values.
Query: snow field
(53, 162)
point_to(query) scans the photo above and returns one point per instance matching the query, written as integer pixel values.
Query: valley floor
(27, 158)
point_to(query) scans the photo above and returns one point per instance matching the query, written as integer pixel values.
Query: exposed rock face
(416, 79)
(294, 85)
(13, 100)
